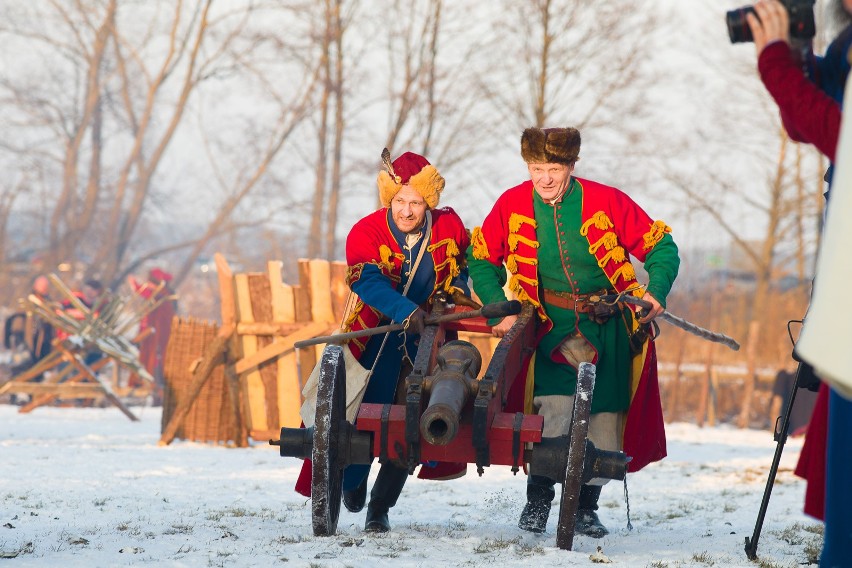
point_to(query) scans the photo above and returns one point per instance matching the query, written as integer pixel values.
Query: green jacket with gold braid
(581, 245)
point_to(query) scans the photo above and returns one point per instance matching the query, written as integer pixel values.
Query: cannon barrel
(450, 387)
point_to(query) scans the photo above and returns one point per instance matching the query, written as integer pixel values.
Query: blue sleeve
(461, 281)
(376, 290)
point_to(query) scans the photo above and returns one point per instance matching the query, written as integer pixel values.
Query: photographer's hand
(771, 24)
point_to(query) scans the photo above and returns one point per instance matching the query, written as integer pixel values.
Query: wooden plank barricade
(262, 317)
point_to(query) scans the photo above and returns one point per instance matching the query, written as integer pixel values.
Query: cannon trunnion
(449, 416)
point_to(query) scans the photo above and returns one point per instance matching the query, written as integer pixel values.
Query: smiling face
(550, 179)
(408, 209)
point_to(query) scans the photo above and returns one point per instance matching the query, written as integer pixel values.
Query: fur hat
(550, 145)
(409, 169)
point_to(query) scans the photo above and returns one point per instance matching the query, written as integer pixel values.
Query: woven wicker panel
(210, 418)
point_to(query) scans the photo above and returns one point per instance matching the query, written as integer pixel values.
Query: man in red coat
(399, 258)
(564, 241)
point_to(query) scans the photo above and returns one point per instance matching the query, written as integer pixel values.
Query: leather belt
(567, 301)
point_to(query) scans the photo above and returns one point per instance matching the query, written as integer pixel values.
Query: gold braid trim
(599, 220)
(516, 220)
(609, 240)
(513, 260)
(386, 254)
(626, 271)
(520, 293)
(353, 273)
(616, 254)
(480, 247)
(655, 234)
(454, 267)
(452, 246)
(356, 313)
(515, 238)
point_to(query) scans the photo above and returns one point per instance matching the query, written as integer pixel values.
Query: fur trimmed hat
(550, 145)
(413, 170)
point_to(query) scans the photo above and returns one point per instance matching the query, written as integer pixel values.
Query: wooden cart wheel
(576, 456)
(327, 476)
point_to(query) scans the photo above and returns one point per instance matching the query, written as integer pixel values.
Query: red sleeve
(808, 114)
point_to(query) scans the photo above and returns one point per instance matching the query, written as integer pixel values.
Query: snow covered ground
(83, 487)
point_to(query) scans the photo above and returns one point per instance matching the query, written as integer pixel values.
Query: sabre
(675, 321)
(495, 310)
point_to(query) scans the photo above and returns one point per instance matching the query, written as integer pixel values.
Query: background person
(810, 107)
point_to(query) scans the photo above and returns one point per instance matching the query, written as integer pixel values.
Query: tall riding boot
(354, 500)
(540, 494)
(588, 522)
(383, 496)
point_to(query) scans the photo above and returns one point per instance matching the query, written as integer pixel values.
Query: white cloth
(558, 411)
(356, 384)
(827, 334)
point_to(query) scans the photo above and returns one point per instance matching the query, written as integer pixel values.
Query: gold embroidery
(480, 247)
(515, 238)
(452, 246)
(353, 273)
(617, 254)
(599, 220)
(655, 234)
(626, 271)
(356, 312)
(516, 220)
(609, 240)
(513, 260)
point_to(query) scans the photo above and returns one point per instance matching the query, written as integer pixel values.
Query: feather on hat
(413, 170)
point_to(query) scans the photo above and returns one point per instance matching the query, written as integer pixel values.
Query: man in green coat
(565, 240)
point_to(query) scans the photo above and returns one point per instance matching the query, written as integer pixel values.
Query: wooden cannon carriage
(450, 416)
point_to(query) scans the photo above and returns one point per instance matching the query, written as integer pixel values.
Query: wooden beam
(268, 328)
(252, 383)
(227, 304)
(280, 347)
(62, 390)
(289, 391)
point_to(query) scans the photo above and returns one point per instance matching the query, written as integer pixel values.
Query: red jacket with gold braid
(615, 228)
(376, 245)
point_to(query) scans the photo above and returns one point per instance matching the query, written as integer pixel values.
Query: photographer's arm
(808, 114)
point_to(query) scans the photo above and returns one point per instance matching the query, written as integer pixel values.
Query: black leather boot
(588, 523)
(354, 500)
(540, 494)
(383, 496)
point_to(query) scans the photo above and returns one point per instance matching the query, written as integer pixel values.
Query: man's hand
(656, 308)
(416, 322)
(504, 326)
(772, 23)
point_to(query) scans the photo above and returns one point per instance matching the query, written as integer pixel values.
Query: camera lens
(738, 29)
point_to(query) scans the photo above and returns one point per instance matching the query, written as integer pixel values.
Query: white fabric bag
(827, 334)
(357, 378)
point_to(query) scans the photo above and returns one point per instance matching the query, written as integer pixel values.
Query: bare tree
(109, 119)
(567, 62)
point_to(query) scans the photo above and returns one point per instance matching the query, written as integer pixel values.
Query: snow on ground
(84, 487)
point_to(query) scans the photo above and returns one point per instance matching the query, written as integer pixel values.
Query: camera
(802, 24)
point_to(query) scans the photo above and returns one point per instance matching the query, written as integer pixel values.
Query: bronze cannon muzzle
(458, 364)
